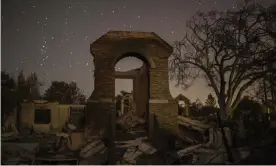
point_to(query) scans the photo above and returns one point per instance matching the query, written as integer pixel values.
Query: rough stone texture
(141, 93)
(166, 115)
(150, 48)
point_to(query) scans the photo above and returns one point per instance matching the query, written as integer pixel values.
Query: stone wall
(166, 115)
(148, 47)
(98, 113)
(142, 91)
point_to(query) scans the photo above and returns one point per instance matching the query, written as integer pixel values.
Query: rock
(146, 148)
(130, 120)
(241, 153)
(71, 126)
(65, 135)
(185, 151)
(131, 143)
(92, 149)
(131, 155)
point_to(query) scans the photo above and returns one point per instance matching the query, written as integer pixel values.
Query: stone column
(161, 102)
(101, 102)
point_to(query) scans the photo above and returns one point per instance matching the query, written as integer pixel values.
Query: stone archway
(109, 49)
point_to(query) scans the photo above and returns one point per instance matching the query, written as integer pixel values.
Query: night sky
(52, 37)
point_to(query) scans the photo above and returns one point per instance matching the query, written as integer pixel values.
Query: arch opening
(145, 59)
(131, 74)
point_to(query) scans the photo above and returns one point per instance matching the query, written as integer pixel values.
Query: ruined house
(49, 117)
(150, 84)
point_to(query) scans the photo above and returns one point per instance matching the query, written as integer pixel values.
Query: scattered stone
(92, 149)
(131, 155)
(131, 143)
(146, 148)
(62, 134)
(185, 151)
(71, 126)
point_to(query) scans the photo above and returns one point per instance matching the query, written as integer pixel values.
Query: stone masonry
(152, 50)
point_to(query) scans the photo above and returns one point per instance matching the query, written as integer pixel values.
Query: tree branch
(242, 89)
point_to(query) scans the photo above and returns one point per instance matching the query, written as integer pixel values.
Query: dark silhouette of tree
(195, 107)
(265, 92)
(267, 20)
(23, 91)
(210, 101)
(15, 91)
(248, 108)
(229, 49)
(33, 85)
(64, 93)
(28, 87)
(8, 93)
(208, 110)
(197, 104)
(252, 115)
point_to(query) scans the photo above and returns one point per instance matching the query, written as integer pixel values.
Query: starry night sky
(52, 37)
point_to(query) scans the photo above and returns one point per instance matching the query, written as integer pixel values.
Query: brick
(109, 49)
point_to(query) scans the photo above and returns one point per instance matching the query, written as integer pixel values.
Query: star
(44, 37)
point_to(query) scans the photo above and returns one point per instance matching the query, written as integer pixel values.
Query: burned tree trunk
(225, 141)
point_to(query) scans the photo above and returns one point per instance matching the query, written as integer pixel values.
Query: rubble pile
(134, 149)
(199, 143)
(18, 153)
(93, 148)
(211, 150)
(129, 121)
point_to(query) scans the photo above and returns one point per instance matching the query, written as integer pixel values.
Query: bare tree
(266, 91)
(228, 49)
